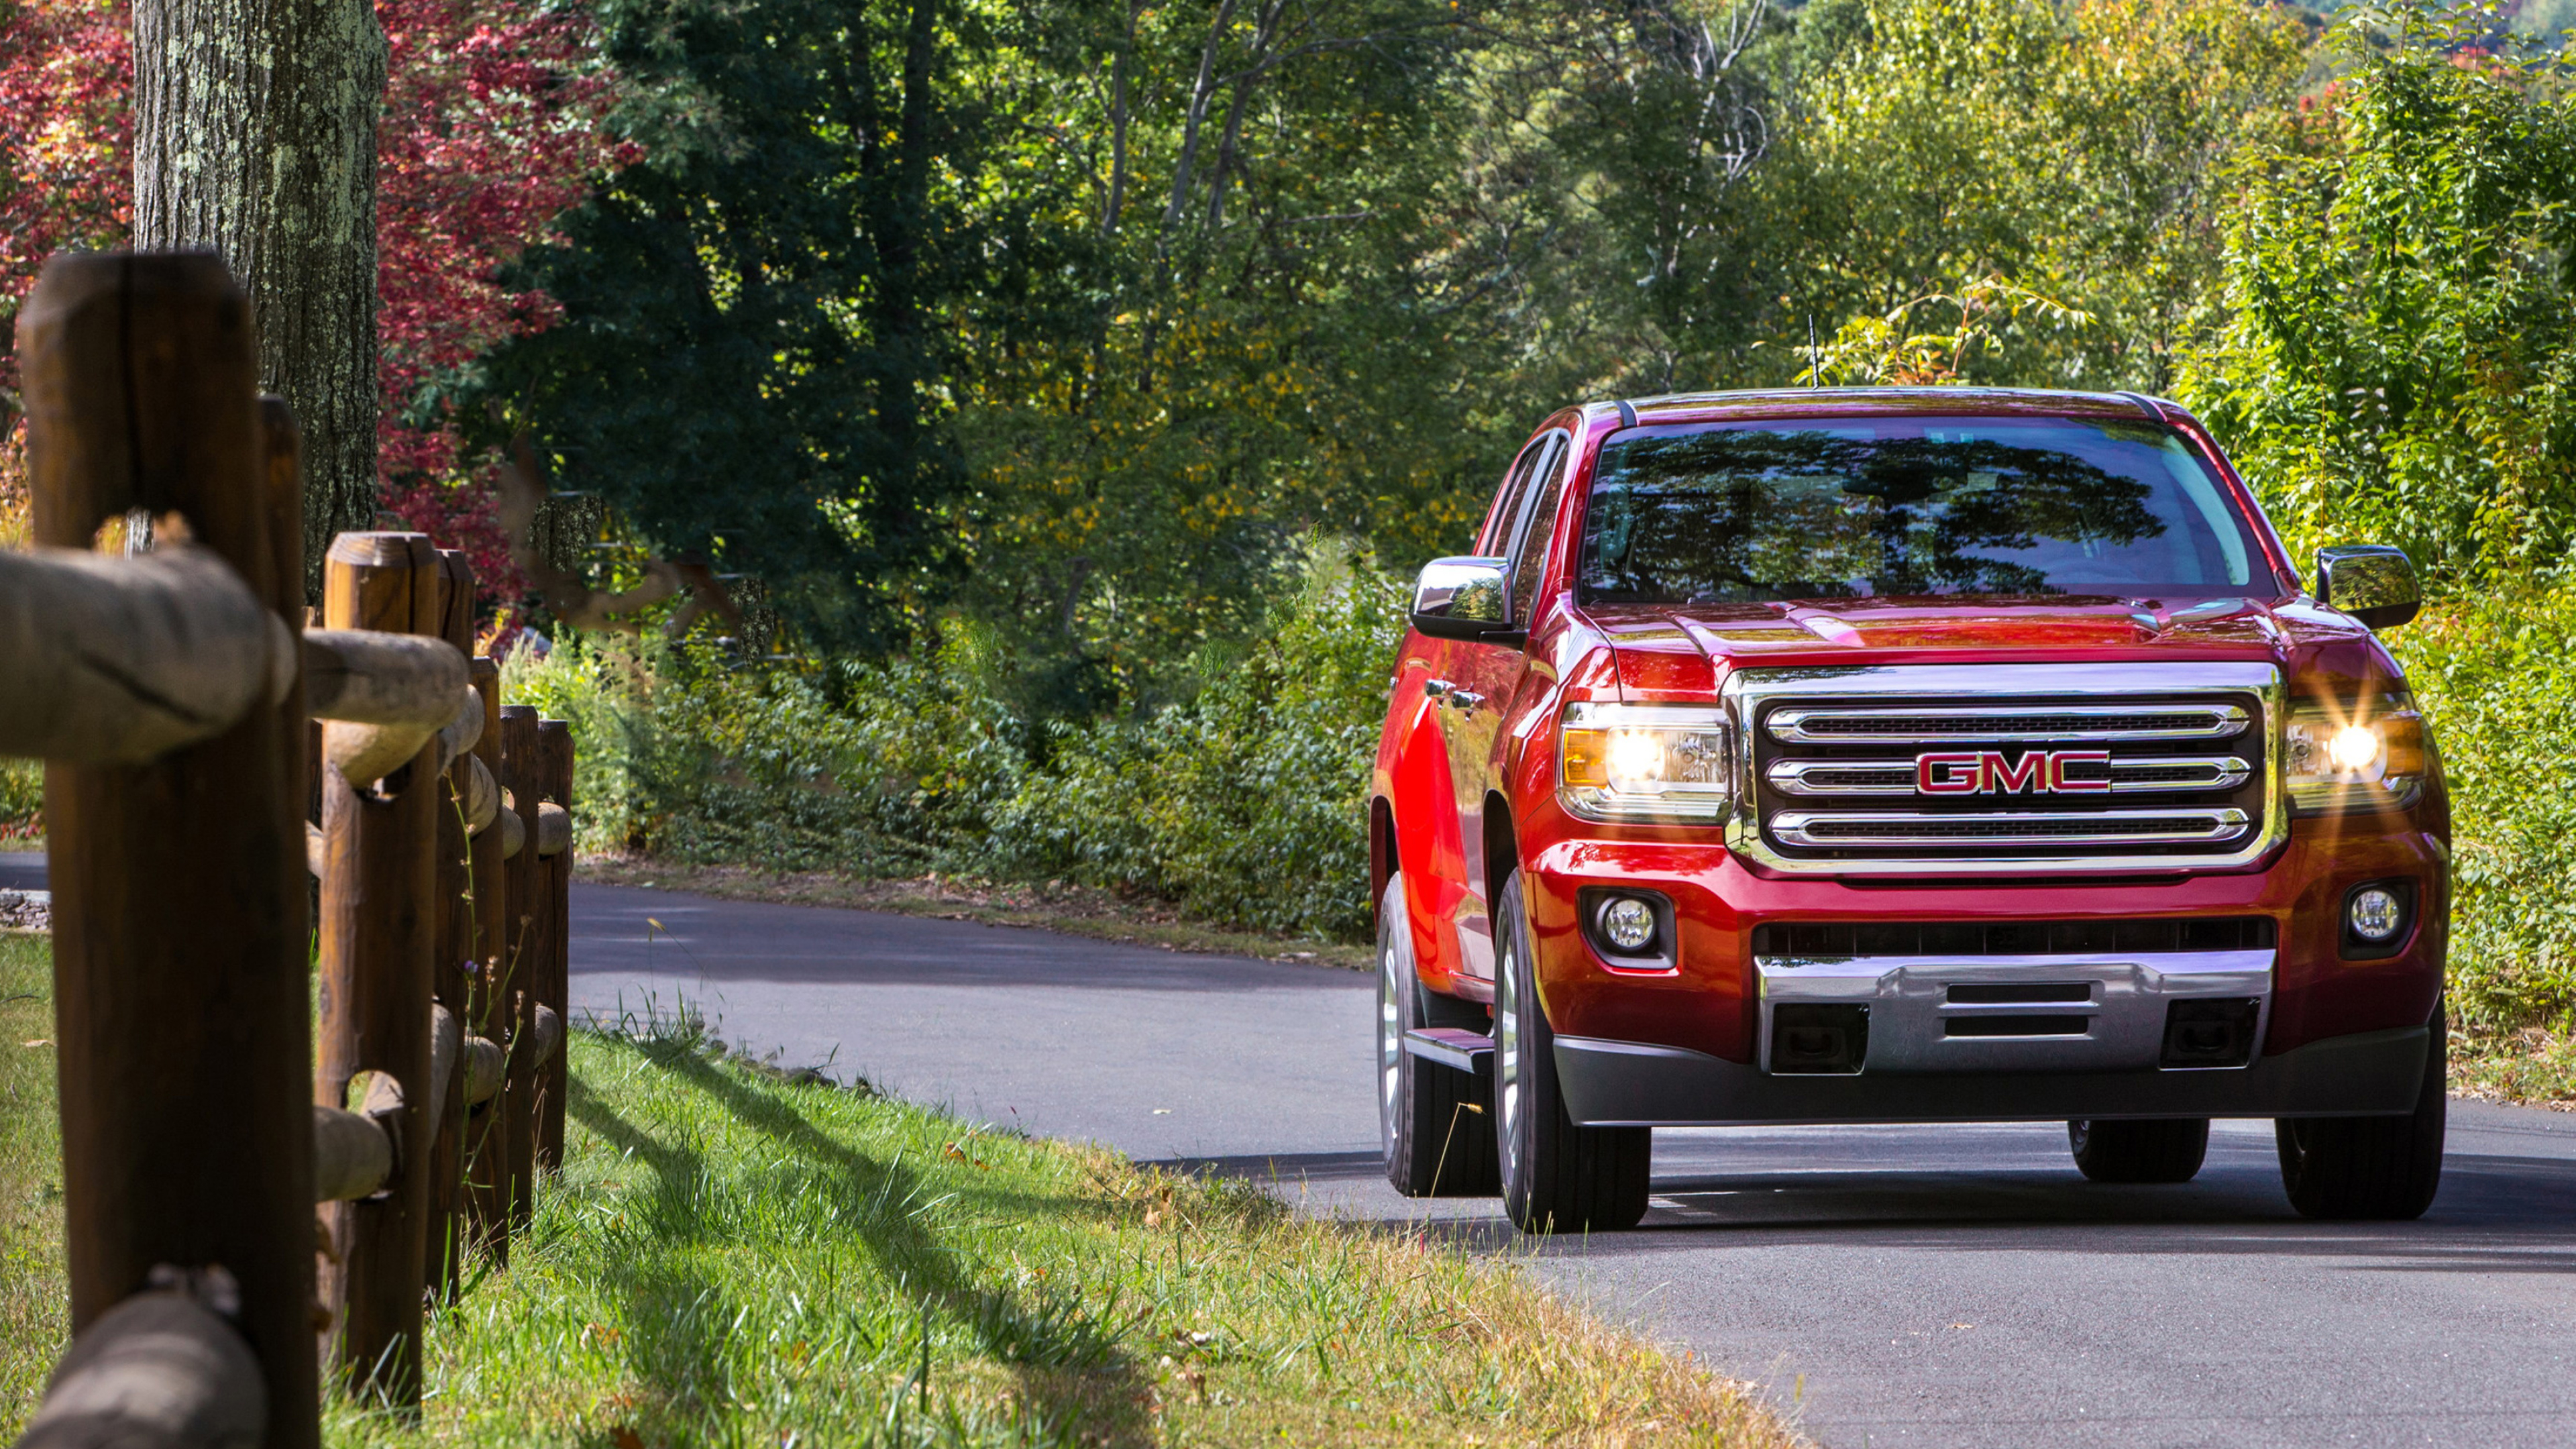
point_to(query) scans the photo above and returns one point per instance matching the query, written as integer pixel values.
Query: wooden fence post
(487, 1164)
(180, 991)
(379, 926)
(521, 777)
(555, 987)
(452, 974)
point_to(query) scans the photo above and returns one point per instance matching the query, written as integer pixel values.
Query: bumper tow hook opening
(1819, 1039)
(2211, 1032)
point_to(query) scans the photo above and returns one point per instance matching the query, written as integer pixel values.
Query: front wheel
(1557, 1177)
(2384, 1168)
(1432, 1120)
(2154, 1149)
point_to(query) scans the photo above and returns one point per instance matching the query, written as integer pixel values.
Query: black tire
(1435, 1123)
(2383, 1168)
(2149, 1149)
(1557, 1177)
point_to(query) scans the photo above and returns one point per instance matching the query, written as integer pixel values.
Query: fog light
(1628, 923)
(2377, 915)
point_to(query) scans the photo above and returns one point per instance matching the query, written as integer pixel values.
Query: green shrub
(1243, 803)
(682, 753)
(22, 798)
(2495, 679)
(1248, 803)
(607, 692)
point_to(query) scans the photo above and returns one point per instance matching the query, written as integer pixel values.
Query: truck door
(1429, 835)
(1426, 820)
(1483, 679)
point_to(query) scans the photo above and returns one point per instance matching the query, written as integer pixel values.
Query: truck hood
(1690, 647)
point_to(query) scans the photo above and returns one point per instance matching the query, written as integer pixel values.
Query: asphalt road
(22, 870)
(1891, 1286)
(1905, 1286)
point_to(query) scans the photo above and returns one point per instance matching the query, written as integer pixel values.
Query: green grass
(34, 1300)
(731, 1257)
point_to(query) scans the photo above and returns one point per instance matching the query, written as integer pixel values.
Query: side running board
(1450, 1046)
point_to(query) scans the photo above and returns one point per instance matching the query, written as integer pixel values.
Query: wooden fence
(207, 753)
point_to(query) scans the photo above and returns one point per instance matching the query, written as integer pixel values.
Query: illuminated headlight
(2368, 753)
(1645, 762)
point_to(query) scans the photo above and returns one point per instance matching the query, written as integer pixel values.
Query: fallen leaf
(38, 1042)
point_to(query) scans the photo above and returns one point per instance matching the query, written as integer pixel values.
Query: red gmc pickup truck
(1903, 755)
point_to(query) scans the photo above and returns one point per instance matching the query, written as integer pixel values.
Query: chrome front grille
(1948, 769)
(1896, 777)
(1985, 725)
(1929, 829)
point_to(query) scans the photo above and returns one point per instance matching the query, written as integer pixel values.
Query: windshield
(1898, 506)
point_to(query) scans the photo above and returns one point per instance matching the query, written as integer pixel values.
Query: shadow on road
(2496, 1213)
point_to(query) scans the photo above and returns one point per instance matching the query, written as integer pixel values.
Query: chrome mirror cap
(1462, 598)
(2371, 581)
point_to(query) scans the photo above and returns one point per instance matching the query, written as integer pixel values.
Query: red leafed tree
(66, 177)
(494, 123)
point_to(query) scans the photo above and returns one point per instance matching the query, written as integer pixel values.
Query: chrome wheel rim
(1507, 1064)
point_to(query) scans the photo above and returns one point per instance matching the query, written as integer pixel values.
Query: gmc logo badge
(1987, 772)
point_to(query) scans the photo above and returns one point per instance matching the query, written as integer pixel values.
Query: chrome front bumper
(2045, 1013)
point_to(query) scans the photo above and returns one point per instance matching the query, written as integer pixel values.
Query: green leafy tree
(2400, 341)
(755, 345)
(2072, 152)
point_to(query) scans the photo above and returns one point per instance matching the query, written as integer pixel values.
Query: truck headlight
(1648, 762)
(2363, 754)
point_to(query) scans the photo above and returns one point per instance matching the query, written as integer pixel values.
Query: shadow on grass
(1072, 1377)
(675, 1320)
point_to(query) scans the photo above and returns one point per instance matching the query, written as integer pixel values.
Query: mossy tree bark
(255, 134)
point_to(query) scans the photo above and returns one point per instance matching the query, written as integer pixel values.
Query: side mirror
(2372, 582)
(1462, 598)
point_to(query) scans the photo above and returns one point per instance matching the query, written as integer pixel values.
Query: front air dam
(1629, 1084)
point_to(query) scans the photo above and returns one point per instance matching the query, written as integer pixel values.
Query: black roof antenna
(1815, 359)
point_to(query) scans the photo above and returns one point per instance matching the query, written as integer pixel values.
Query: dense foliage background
(1065, 387)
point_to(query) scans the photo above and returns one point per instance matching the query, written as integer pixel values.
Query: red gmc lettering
(1948, 774)
(2003, 775)
(1990, 772)
(2058, 761)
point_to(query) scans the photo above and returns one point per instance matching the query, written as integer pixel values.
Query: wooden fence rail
(205, 1111)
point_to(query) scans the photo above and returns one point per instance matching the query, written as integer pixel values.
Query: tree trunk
(255, 135)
